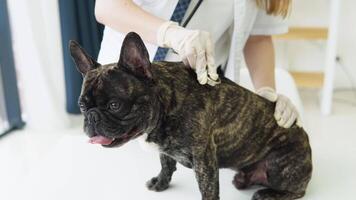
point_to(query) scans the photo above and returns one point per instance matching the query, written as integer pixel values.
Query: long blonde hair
(275, 7)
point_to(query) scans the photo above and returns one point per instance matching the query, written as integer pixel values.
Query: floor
(60, 164)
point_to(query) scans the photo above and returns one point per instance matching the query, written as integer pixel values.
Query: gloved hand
(194, 47)
(285, 112)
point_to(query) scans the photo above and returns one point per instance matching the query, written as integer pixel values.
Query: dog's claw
(157, 184)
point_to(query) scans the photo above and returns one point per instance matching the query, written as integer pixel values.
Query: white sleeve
(268, 25)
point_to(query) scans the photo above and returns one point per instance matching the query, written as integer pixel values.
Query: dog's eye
(114, 106)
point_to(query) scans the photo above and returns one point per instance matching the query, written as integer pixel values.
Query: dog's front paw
(157, 184)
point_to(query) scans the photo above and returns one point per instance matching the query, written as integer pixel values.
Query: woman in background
(221, 33)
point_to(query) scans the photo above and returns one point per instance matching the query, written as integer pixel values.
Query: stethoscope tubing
(192, 14)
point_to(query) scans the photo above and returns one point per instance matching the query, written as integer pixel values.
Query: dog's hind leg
(288, 171)
(251, 175)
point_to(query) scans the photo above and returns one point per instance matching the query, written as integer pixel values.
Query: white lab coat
(230, 23)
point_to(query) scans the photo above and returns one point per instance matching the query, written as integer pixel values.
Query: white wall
(309, 56)
(38, 58)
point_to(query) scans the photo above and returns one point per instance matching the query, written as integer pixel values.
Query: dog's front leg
(207, 171)
(161, 182)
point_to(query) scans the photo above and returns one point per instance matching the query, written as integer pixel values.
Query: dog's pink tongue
(100, 140)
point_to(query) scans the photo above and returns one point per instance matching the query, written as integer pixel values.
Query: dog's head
(117, 100)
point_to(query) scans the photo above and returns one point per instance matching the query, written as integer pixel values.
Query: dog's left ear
(82, 60)
(134, 56)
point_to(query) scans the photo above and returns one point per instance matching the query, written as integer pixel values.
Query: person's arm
(260, 60)
(195, 47)
(125, 16)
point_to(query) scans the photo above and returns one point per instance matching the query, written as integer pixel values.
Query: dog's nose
(93, 117)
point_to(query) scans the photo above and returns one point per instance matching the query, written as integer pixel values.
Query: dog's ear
(82, 60)
(134, 56)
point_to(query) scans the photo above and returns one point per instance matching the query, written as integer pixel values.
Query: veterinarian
(218, 33)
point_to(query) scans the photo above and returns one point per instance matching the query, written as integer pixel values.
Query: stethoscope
(192, 14)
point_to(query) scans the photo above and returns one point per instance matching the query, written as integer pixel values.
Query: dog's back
(243, 129)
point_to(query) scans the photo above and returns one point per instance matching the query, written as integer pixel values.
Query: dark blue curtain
(8, 75)
(77, 23)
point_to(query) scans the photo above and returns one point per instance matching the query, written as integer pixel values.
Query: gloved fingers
(291, 120)
(189, 56)
(183, 53)
(288, 112)
(280, 107)
(212, 70)
(268, 93)
(299, 121)
(201, 67)
(185, 61)
(277, 115)
(285, 115)
(189, 50)
(197, 61)
(212, 82)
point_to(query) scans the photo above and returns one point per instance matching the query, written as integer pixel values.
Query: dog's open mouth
(114, 142)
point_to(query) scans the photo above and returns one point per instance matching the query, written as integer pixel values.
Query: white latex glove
(285, 112)
(194, 47)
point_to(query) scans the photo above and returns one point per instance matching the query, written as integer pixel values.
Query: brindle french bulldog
(201, 127)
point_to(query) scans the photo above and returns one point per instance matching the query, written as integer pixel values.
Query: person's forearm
(260, 60)
(125, 16)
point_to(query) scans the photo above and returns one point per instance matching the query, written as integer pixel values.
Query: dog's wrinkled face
(117, 100)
